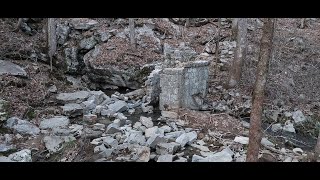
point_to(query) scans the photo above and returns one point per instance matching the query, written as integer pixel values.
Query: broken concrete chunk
(146, 121)
(75, 97)
(165, 158)
(72, 110)
(167, 148)
(154, 140)
(57, 121)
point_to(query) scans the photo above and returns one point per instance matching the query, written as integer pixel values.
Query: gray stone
(136, 94)
(75, 97)
(9, 68)
(98, 96)
(72, 62)
(21, 156)
(183, 139)
(88, 43)
(98, 126)
(201, 148)
(62, 32)
(184, 87)
(99, 148)
(167, 148)
(5, 148)
(110, 142)
(298, 116)
(165, 158)
(192, 136)
(169, 114)
(152, 84)
(5, 159)
(4, 105)
(88, 106)
(287, 114)
(266, 142)
(22, 126)
(174, 135)
(90, 133)
(53, 89)
(146, 121)
(197, 158)
(166, 129)
(83, 23)
(297, 151)
(57, 121)
(241, 140)
(99, 141)
(154, 140)
(140, 153)
(153, 131)
(136, 137)
(181, 159)
(53, 143)
(121, 116)
(90, 118)
(106, 153)
(61, 131)
(72, 110)
(222, 156)
(288, 127)
(107, 112)
(118, 106)
(112, 128)
(146, 109)
(276, 127)
(119, 122)
(104, 36)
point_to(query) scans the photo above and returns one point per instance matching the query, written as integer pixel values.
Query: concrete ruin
(184, 87)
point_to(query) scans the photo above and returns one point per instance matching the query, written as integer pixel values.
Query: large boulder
(57, 121)
(102, 68)
(9, 68)
(22, 126)
(75, 97)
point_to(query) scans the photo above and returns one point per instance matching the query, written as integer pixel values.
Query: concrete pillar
(184, 87)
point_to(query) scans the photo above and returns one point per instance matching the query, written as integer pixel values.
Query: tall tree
(234, 28)
(255, 134)
(51, 39)
(303, 23)
(217, 47)
(17, 28)
(132, 33)
(317, 149)
(240, 54)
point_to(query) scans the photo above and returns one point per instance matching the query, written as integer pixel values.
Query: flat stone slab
(9, 68)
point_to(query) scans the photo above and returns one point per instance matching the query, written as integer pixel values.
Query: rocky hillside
(101, 101)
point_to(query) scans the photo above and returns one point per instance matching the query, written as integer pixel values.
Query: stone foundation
(184, 87)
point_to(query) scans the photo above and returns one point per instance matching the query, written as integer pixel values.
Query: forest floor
(221, 130)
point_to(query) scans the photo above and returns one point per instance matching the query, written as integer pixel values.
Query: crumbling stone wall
(184, 87)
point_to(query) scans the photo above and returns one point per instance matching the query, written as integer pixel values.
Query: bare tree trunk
(240, 54)
(317, 149)
(132, 33)
(302, 23)
(51, 39)
(18, 25)
(255, 134)
(234, 28)
(187, 22)
(217, 47)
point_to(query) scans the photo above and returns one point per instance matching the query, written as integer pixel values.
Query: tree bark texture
(255, 134)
